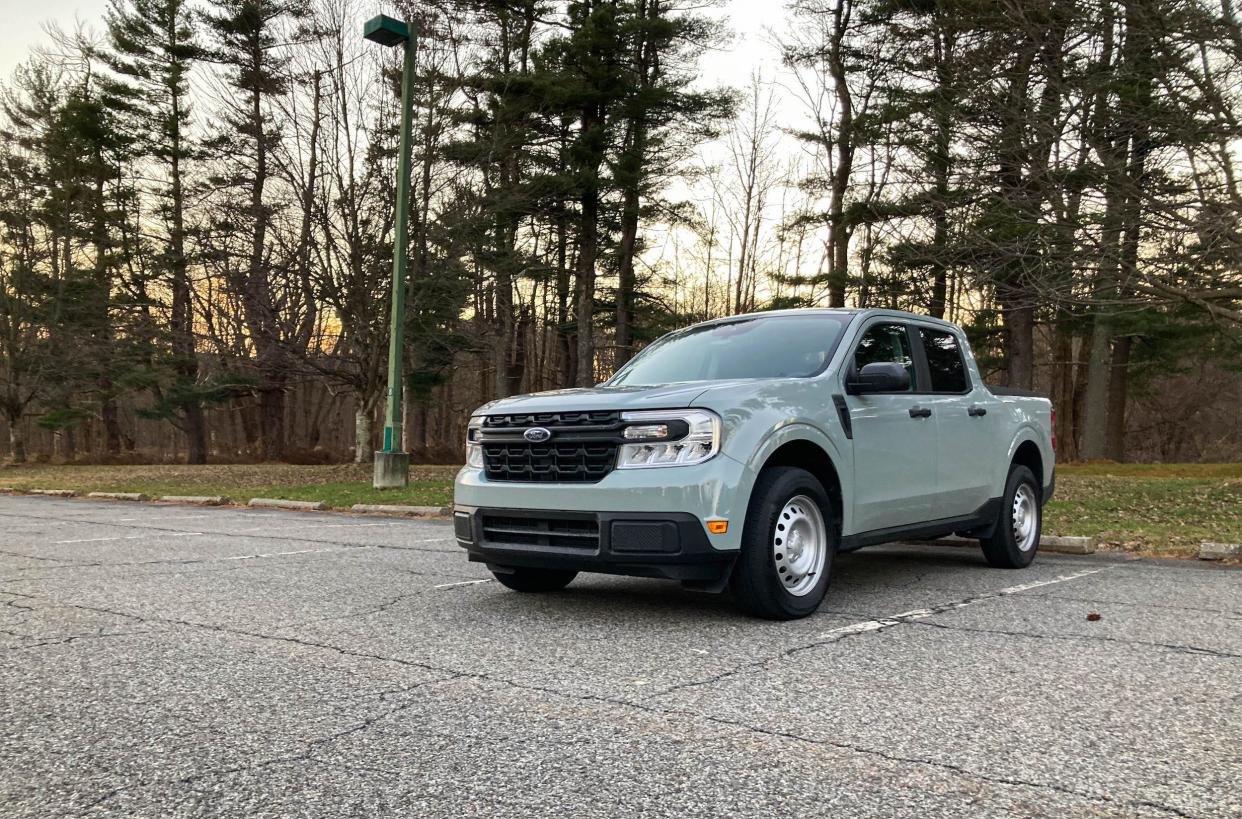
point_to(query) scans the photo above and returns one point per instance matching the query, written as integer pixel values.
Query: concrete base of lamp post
(392, 470)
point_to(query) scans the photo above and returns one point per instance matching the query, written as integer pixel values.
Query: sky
(751, 49)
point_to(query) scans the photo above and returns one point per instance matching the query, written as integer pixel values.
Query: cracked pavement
(179, 661)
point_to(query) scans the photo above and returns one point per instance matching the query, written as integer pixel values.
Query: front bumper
(714, 490)
(671, 545)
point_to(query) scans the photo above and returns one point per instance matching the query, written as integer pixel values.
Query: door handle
(920, 412)
(976, 411)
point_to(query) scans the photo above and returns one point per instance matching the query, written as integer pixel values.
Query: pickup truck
(744, 453)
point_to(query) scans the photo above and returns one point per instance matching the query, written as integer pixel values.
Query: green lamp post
(392, 465)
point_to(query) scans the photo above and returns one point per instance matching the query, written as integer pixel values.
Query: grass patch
(1111, 470)
(1164, 509)
(1155, 508)
(339, 486)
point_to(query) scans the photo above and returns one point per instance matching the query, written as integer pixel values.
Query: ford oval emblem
(537, 435)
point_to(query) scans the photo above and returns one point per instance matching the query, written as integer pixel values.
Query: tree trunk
(1019, 319)
(195, 427)
(364, 426)
(1063, 390)
(109, 414)
(942, 145)
(272, 421)
(565, 342)
(503, 328)
(588, 241)
(1095, 403)
(838, 230)
(1118, 386)
(625, 277)
(181, 320)
(247, 414)
(17, 443)
(416, 429)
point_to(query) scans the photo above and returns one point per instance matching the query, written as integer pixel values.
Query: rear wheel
(534, 580)
(788, 544)
(1015, 539)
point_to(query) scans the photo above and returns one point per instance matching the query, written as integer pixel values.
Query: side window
(886, 342)
(944, 359)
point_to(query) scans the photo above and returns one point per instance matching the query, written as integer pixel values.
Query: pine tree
(249, 38)
(153, 49)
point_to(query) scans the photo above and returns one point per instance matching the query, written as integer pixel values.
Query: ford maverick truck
(745, 453)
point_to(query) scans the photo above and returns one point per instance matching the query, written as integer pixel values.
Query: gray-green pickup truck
(746, 452)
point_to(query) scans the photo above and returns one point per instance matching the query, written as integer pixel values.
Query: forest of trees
(196, 210)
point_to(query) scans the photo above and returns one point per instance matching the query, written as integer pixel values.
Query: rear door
(894, 448)
(967, 416)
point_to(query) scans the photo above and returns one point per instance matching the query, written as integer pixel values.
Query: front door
(894, 442)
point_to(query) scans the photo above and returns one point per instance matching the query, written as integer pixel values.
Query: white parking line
(315, 526)
(919, 614)
(463, 583)
(294, 552)
(126, 537)
(153, 518)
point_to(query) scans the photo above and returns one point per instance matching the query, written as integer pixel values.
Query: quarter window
(944, 360)
(886, 342)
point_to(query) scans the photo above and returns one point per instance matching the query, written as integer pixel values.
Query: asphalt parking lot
(181, 661)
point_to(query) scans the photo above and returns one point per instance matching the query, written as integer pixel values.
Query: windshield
(752, 347)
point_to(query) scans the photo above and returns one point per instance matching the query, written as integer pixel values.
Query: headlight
(668, 438)
(474, 450)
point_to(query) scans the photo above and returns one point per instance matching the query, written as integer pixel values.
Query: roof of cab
(865, 312)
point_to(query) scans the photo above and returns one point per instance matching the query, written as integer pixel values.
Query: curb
(276, 503)
(55, 493)
(1219, 551)
(405, 511)
(1047, 543)
(196, 500)
(123, 496)
(1067, 545)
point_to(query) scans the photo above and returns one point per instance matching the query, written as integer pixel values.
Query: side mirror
(879, 376)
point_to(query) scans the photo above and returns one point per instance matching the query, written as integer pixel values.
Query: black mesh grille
(568, 532)
(552, 419)
(582, 447)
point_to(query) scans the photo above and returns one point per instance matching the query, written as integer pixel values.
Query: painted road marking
(316, 526)
(294, 552)
(127, 537)
(463, 583)
(920, 614)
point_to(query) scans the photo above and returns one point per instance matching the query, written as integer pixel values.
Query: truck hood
(660, 396)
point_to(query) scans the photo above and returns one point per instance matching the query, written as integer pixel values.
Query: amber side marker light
(718, 527)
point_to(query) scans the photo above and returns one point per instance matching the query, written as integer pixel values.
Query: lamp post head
(385, 30)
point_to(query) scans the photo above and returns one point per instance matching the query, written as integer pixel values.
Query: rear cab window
(945, 364)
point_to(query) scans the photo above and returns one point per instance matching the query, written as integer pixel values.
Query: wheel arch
(807, 448)
(1025, 451)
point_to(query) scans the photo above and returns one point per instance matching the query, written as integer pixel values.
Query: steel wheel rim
(1025, 517)
(799, 545)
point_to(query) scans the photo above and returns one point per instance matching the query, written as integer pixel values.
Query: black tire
(755, 582)
(1002, 548)
(534, 580)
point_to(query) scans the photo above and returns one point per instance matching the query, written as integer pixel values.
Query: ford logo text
(537, 435)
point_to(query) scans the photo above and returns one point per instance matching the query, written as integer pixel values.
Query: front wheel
(1015, 538)
(788, 544)
(534, 580)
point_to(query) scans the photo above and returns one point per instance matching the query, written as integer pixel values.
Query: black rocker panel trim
(980, 523)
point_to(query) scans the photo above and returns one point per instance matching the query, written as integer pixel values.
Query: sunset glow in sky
(24, 27)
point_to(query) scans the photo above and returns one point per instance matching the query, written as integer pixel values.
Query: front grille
(568, 532)
(582, 449)
(552, 419)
